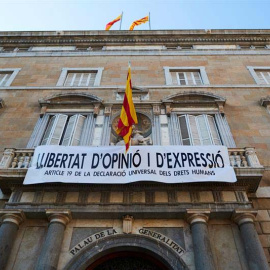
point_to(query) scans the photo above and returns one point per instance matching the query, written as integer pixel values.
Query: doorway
(127, 260)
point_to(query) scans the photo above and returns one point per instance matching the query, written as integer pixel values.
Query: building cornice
(135, 37)
(120, 88)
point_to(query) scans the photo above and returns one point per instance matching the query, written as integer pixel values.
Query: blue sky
(34, 15)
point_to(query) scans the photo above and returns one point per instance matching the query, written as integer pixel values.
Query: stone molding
(14, 216)
(197, 215)
(241, 216)
(59, 216)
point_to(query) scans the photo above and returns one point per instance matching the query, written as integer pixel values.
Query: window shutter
(48, 131)
(225, 132)
(38, 131)
(203, 129)
(69, 79)
(4, 78)
(184, 130)
(54, 130)
(85, 79)
(77, 79)
(261, 77)
(181, 78)
(197, 78)
(266, 76)
(88, 130)
(92, 79)
(69, 130)
(76, 138)
(189, 78)
(73, 131)
(195, 137)
(214, 131)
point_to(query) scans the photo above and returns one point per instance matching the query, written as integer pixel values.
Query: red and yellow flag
(128, 116)
(110, 24)
(138, 22)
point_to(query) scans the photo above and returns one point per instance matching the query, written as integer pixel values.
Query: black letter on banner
(159, 160)
(93, 166)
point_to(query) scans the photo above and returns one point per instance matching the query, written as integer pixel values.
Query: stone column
(201, 243)
(49, 255)
(11, 221)
(254, 252)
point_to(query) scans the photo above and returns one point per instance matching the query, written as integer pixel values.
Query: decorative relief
(127, 224)
(141, 131)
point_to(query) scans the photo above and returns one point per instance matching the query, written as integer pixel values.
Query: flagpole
(121, 20)
(149, 22)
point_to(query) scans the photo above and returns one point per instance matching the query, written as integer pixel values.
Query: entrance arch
(133, 244)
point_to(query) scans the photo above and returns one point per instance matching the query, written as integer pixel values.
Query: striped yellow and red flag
(128, 116)
(110, 24)
(138, 22)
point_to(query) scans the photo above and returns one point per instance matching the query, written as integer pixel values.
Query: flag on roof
(138, 22)
(110, 24)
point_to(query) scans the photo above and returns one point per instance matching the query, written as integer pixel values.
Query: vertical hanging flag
(128, 116)
(138, 22)
(110, 24)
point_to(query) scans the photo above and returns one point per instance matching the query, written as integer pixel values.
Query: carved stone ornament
(156, 110)
(96, 110)
(108, 110)
(168, 109)
(43, 110)
(127, 224)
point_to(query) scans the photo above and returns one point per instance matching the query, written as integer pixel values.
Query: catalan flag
(110, 24)
(128, 116)
(138, 22)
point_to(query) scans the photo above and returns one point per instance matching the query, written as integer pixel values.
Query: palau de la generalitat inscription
(112, 232)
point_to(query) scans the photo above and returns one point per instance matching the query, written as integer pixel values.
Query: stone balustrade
(21, 158)
(16, 158)
(244, 157)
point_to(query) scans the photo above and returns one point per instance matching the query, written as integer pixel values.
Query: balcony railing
(21, 158)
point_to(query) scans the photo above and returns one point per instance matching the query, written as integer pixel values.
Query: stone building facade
(183, 81)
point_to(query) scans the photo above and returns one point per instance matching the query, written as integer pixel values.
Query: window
(185, 76)
(80, 79)
(77, 77)
(64, 130)
(70, 119)
(194, 118)
(7, 76)
(199, 130)
(261, 75)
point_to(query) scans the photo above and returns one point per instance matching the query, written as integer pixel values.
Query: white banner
(110, 165)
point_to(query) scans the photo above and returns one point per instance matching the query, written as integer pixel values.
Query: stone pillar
(254, 252)
(11, 220)
(49, 256)
(201, 243)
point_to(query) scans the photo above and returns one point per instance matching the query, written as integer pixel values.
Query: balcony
(249, 171)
